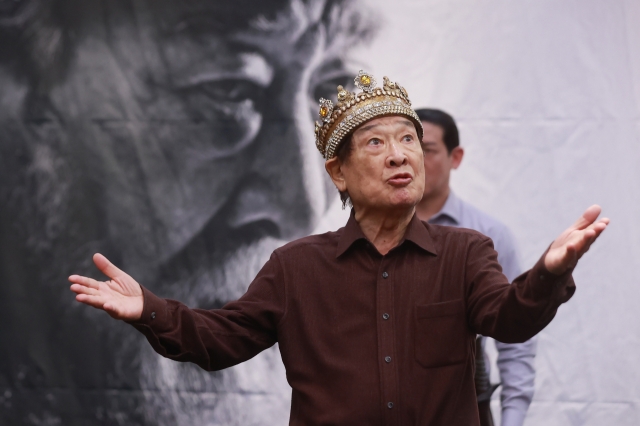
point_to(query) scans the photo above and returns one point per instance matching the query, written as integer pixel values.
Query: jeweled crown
(352, 110)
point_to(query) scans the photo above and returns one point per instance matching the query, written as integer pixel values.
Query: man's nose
(396, 156)
(285, 184)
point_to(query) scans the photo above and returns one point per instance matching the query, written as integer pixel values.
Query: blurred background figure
(440, 206)
(186, 128)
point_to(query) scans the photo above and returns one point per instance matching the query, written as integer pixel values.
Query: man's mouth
(400, 179)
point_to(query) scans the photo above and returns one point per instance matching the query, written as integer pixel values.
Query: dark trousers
(484, 388)
(486, 418)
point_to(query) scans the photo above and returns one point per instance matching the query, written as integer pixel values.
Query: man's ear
(334, 168)
(456, 157)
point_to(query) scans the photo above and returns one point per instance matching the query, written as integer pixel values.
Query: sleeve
(515, 360)
(517, 374)
(220, 338)
(510, 313)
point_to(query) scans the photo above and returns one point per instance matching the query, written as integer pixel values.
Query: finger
(588, 217)
(583, 238)
(595, 230)
(106, 267)
(598, 228)
(84, 281)
(87, 299)
(81, 289)
(590, 236)
(575, 244)
(577, 237)
(602, 223)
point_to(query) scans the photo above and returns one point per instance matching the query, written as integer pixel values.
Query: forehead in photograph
(205, 41)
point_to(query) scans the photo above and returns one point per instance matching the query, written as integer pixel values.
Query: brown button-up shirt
(368, 339)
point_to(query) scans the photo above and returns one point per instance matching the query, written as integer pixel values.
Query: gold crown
(352, 110)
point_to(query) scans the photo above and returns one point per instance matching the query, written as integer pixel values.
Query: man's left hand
(575, 241)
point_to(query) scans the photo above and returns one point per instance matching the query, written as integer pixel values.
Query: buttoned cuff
(155, 315)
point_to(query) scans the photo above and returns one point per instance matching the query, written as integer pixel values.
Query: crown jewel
(326, 108)
(352, 110)
(365, 82)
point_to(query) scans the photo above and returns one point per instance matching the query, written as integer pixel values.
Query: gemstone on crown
(326, 108)
(365, 82)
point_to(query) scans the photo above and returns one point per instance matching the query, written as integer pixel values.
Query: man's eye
(407, 138)
(375, 141)
(231, 90)
(226, 100)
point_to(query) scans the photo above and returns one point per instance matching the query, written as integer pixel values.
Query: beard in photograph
(177, 140)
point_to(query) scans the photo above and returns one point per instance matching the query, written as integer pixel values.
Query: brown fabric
(325, 300)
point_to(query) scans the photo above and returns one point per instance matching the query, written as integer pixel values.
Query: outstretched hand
(121, 296)
(569, 247)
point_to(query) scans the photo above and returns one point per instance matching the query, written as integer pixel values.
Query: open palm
(121, 296)
(569, 247)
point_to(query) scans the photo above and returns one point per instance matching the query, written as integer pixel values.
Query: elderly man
(376, 322)
(440, 206)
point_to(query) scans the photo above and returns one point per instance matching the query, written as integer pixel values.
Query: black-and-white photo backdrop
(176, 138)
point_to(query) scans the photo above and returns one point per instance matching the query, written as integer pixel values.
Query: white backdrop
(547, 98)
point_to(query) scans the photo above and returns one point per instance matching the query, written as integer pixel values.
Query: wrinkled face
(203, 136)
(185, 153)
(384, 170)
(438, 163)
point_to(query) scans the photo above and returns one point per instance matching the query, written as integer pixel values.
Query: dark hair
(445, 121)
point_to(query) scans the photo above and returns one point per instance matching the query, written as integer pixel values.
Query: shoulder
(457, 246)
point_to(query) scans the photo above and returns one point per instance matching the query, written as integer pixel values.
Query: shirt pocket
(441, 332)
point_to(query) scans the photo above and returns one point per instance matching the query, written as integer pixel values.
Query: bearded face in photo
(176, 139)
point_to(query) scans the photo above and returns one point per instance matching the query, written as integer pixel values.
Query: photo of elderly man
(174, 138)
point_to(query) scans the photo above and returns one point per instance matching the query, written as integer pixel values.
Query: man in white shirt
(440, 206)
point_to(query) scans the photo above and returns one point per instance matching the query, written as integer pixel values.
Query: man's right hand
(121, 296)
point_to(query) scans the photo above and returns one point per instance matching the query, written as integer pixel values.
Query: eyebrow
(247, 65)
(371, 126)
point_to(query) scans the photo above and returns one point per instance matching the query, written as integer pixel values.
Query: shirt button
(541, 277)
(387, 358)
(385, 275)
(153, 315)
(385, 316)
(390, 404)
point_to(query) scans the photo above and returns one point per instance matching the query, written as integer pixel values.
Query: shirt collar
(452, 209)
(417, 232)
